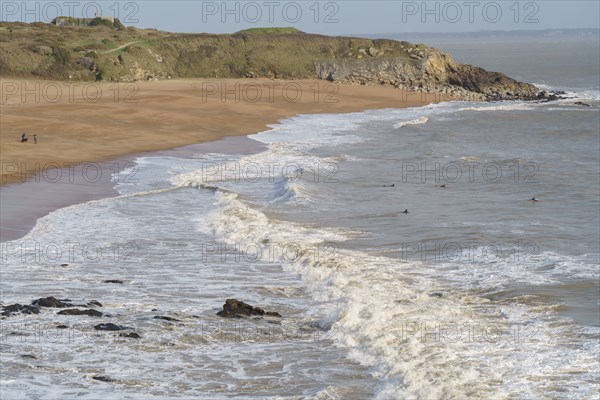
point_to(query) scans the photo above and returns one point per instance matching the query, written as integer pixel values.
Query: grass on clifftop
(99, 52)
(267, 31)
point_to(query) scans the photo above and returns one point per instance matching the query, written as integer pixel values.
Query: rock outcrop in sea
(237, 309)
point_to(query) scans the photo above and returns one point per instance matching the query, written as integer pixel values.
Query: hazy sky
(326, 17)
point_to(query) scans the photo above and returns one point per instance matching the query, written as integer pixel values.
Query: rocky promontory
(428, 70)
(105, 52)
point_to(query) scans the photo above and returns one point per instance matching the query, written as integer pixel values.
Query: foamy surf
(418, 121)
(511, 106)
(388, 320)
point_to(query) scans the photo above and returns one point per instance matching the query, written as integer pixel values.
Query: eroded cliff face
(435, 72)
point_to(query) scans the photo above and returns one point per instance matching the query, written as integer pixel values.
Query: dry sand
(90, 122)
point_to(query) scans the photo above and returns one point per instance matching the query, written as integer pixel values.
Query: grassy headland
(107, 51)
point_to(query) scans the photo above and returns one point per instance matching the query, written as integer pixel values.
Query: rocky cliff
(428, 70)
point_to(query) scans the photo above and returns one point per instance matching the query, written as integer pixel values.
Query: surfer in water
(533, 200)
(405, 211)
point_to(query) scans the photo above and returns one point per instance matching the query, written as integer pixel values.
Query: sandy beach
(89, 122)
(106, 124)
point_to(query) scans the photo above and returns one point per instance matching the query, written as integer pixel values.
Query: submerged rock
(103, 378)
(52, 302)
(167, 318)
(110, 327)
(7, 311)
(75, 311)
(236, 309)
(131, 335)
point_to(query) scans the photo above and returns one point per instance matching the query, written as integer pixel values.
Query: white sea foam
(288, 190)
(388, 321)
(573, 93)
(509, 106)
(378, 307)
(420, 120)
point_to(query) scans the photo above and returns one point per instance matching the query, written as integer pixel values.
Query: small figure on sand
(34, 139)
(24, 138)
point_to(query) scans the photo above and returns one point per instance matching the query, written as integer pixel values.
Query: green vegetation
(61, 55)
(100, 51)
(267, 31)
(99, 21)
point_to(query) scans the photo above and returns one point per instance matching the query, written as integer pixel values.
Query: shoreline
(24, 203)
(140, 117)
(80, 144)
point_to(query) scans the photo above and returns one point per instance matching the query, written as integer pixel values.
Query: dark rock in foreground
(236, 309)
(103, 378)
(110, 327)
(131, 335)
(75, 311)
(167, 318)
(51, 302)
(7, 311)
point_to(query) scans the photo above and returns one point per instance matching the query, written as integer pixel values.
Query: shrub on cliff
(61, 55)
(100, 21)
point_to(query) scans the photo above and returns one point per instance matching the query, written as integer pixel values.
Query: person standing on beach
(34, 139)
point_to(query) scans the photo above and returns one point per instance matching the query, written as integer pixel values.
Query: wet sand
(23, 203)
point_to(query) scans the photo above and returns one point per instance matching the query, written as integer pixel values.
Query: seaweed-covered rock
(236, 309)
(51, 302)
(103, 378)
(167, 318)
(74, 311)
(12, 309)
(131, 335)
(110, 327)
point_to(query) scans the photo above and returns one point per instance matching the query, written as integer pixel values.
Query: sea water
(476, 292)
